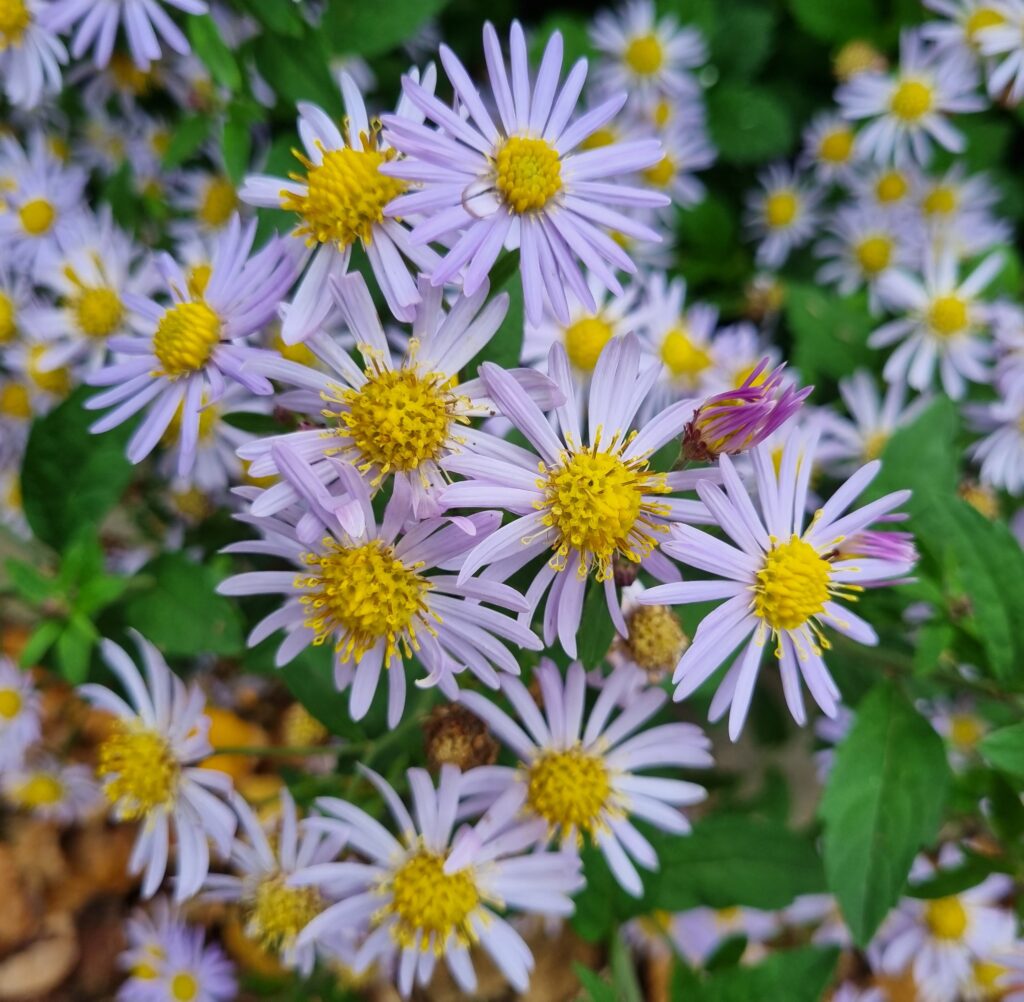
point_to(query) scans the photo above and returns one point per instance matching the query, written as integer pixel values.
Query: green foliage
(505, 347)
(211, 48)
(830, 332)
(189, 134)
(748, 124)
(369, 29)
(800, 975)
(837, 21)
(71, 478)
(298, 71)
(744, 39)
(883, 801)
(1004, 749)
(596, 631)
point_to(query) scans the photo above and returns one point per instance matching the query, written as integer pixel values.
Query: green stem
(286, 751)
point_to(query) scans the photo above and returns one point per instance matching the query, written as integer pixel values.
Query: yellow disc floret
(891, 186)
(965, 730)
(644, 55)
(8, 319)
(874, 254)
(661, 173)
(185, 338)
(685, 359)
(218, 203)
(940, 201)
(363, 595)
(792, 585)
(14, 19)
(980, 19)
(569, 789)
(98, 311)
(140, 771)
(56, 381)
(37, 216)
(528, 173)
(585, 340)
(595, 502)
(429, 903)
(836, 146)
(184, 987)
(947, 315)
(780, 208)
(278, 913)
(39, 790)
(345, 194)
(15, 401)
(946, 918)
(656, 640)
(10, 703)
(911, 100)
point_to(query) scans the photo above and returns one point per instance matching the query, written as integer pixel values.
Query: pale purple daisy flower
(394, 416)
(698, 932)
(520, 183)
(909, 109)
(149, 767)
(193, 347)
(828, 147)
(782, 214)
(1006, 320)
(580, 774)
(31, 54)
(146, 24)
(19, 715)
(341, 199)
(378, 594)
(781, 580)
(273, 912)
(962, 25)
(595, 499)
(1003, 43)
(61, 792)
(942, 326)
(1000, 453)
(426, 893)
(686, 150)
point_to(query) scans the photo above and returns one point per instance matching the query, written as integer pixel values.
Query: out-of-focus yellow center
(946, 918)
(220, 199)
(965, 730)
(279, 912)
(780, 208)
(891, 186)
(836, 146)
(15, 401)
(56, 381)
(98, 311)
(585, 340)
(37, 216)
(947, 315)
(684, 358)
(184, 987)
(40, 790)
(10, 704)
(874, 254)
(141, 774)
(14, 19)
(911, 100)
(656, 639)
(8, 319)
(980, 19)
(645, 55)
(940, 201)
(661, 173)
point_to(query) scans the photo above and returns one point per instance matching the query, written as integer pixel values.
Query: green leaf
(71, 478)
(236, 144)
(883, 802)
(575, 38)
(189, 134)
(369, 29)
(298, 71)
(596, 988)
(210, 47)
(830, 332)
(837, 20)
(597, 631)
(1004, 749)
(971, 872)
(74, 646)
(800, 975)
(506, 346)
(43, 637)
(744, 40)
(182, 613)
(280, 16)
(30, 584)
(922, 456)
(748, 124)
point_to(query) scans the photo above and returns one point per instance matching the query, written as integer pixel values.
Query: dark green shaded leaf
(1004, 749)
(188, 135)
(370, 29)
(837, 20)
(830, 332)
(209, 45)
(800, 975)
(596, 631)
(748, 123)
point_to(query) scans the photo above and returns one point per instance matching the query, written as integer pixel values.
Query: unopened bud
(454, 736)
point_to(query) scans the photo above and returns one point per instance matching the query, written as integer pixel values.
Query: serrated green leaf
(883, 802)
(748, 124)
(210, 47)
(1004, 749)
(70, 478)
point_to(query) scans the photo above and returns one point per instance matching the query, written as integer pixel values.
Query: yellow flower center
(160, 141)
(345, 195)
(197, 279)
(55, 381)
(836, 146)
(585, 340)
(15, 401)
(644, 55)
(184, 987)
(987, 976)
(185, 338)
(279, 912)
(911, 100)
(128, 76)
(874, 444)
(208, 416)
(598, 138)
(891, 186)
(947, 315)
(661, 173)
(528, 173)
(398, 419)
(8, 319)
(14, 19)
(656, 639)
(569, 789)
(684, 359)
(856, 57)
(364, 594)
(98, 311)
(940, 201)
(219, 202)
(873, 254)
(780, 208)
(965, 730)
(140, 771)
(41, 790)
(946, 918)
(429, 902)
(295, 352)
(37, 216)
(980, 19)
(300, 727)
(792, 585)
(595, 502)
(662, 113)
(10, 703)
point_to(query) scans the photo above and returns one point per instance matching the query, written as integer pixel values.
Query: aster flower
(782, 215)
(849, 442)
(209, 198)
(146, 25)
(390, 417)
(63, 793)
(942, 324)
(887, 187)
(645, 53)
(741, 347)
(595, 499)
(581, 777)
(16, 295)
(520, 183)
(427, 895)
(909, 110)
(193, 346)
(962, 727)
(686, 151)
(962, 24)
(90, 271)
(1001, 452)
(828, 147)
(1003, 43)
(955, 210)
(862, 245)
(31, 54)
(148, 767)
(378, 594)
(780, 578)
(736, 420)
(341, 199)
(1006, 320)
(274, 912)
(698, 932)
(19, 715)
